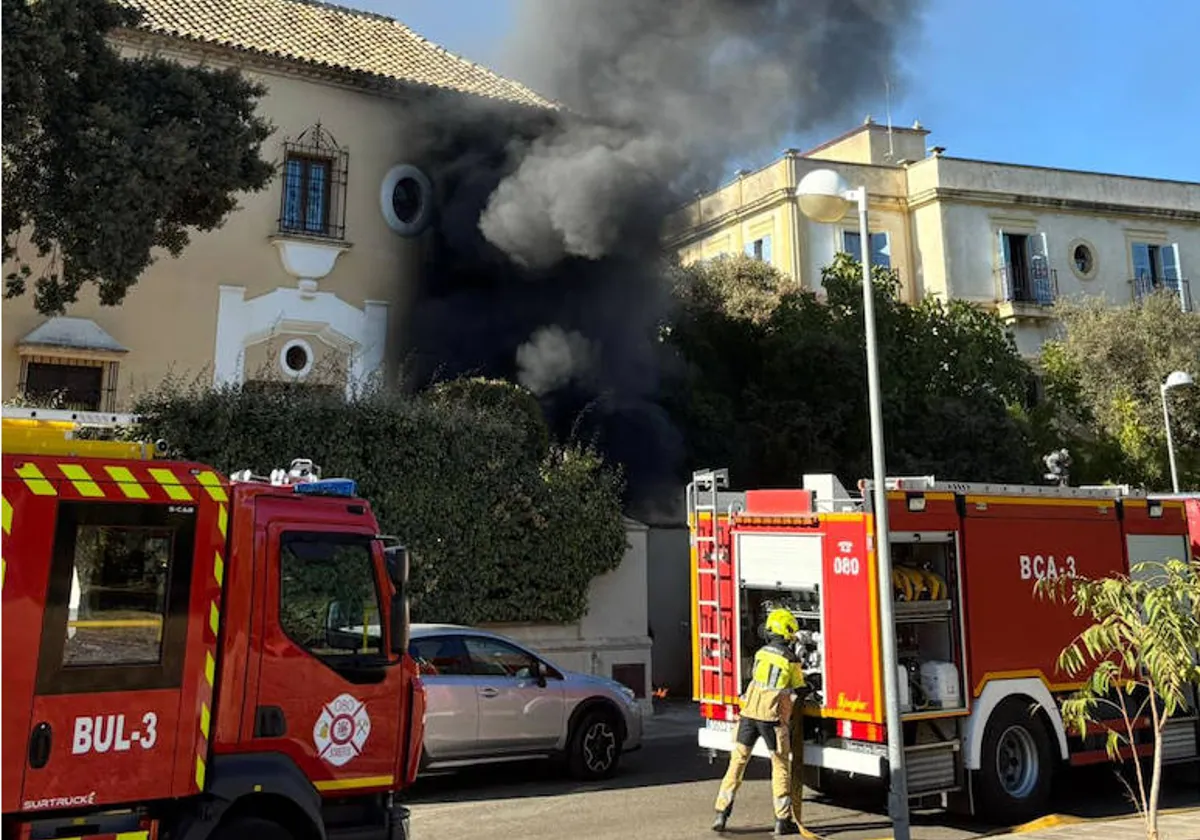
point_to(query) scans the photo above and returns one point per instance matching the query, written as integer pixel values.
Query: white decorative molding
(323, 316)
(308, 260)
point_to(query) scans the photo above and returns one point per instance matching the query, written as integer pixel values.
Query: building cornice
(1065, 205)
(766, 202)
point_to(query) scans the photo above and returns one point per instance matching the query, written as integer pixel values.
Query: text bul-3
(102, 733)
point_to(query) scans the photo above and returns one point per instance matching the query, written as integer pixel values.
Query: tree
(774, 381)
(1102, 379)
(108, 158)
(1139, 657)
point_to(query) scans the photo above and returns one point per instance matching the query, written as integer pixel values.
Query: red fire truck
(979, 686)
(191, 656)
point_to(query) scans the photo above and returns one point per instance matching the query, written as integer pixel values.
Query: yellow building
(313, 273)
(1011, 237)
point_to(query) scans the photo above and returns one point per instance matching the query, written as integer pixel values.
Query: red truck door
(329, 694)
(116, 688)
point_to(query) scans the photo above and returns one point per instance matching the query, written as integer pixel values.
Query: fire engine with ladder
(190, 656)
(977, 647)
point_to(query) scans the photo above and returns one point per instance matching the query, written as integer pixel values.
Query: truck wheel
(595, 748)
(240, 828)
(1017, 767)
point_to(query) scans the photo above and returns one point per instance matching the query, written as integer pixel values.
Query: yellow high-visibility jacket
(776, 674)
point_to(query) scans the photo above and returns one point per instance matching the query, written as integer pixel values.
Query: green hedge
(502, 525)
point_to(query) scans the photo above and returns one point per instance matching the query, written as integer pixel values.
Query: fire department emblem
(341, 730)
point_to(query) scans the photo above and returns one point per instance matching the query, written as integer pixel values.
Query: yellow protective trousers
(777, 740)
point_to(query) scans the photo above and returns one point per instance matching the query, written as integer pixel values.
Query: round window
(296, 358)
(1083, 259)
(406, 200)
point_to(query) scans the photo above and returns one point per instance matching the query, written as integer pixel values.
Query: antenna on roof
(887, 92)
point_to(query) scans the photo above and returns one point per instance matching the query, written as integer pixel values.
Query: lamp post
(824, 196)
(1178, 379)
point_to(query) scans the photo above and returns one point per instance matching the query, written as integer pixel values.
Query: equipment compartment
(928, 614)
(805, 605)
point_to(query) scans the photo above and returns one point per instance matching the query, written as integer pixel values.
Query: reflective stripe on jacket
(776, 671)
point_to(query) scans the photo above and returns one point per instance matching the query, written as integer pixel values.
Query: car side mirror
(397, 565)
(540, 672)
(336, 636)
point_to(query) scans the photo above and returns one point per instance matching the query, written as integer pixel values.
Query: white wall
(615, 629)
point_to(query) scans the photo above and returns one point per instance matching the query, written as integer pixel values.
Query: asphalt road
(665, 791)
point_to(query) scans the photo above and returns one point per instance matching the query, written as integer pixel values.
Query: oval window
(406, 199)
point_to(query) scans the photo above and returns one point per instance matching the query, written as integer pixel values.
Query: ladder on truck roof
(47, 431)
(705, 498)
(930, 484)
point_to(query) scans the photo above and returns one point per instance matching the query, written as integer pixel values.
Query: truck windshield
(329, 600)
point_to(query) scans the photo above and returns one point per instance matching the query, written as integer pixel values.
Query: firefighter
(766, 708)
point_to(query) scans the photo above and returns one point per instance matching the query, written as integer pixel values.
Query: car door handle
(488, 692)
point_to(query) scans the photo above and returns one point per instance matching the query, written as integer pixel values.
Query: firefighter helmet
(781, 622)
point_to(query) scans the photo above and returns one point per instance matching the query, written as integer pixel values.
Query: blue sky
(1078, 84)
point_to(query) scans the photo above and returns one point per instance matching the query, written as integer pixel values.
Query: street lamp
(824, 196)
(1177, 379)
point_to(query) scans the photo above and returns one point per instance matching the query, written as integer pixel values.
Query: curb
(1058, 820)
(1048, 822)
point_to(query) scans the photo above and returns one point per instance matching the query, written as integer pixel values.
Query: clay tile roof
(324, 35)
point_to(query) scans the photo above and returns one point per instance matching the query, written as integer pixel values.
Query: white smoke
(552, 358)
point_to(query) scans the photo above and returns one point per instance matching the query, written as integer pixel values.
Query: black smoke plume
(546, 261)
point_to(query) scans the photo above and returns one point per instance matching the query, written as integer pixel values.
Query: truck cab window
(118, 598)
(329, 601)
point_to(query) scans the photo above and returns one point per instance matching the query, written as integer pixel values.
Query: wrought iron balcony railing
(1143, 287)
(1019, 285)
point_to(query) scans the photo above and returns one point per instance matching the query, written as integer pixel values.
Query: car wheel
(595, 747)
(1017, 766)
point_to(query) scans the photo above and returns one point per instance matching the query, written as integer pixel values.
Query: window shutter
(881, 249)
(1039, 269)
(1002, 260)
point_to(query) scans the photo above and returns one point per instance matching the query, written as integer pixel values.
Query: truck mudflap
(858, 757)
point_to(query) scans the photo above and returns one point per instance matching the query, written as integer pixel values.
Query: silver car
(488, 699)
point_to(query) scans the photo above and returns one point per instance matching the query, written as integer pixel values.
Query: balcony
(1146, 286)
(1023, 294)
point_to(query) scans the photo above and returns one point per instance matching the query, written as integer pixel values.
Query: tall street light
(824, 196)
(1178, 379)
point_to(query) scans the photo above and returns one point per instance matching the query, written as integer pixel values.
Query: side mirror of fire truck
(397, 564)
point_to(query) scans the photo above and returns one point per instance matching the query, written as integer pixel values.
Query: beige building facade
(309, 278)
(1009, 237)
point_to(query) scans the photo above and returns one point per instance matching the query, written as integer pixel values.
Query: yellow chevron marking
(200, 772)
(127, 482)
(212, 484)
(6, 514)
(222, 520)
(35, 481)
(210, 668)
(170, 482)
(82, 480)
(219, 568)
(205, 719)
(214, 617)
